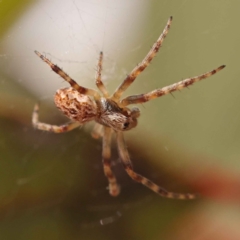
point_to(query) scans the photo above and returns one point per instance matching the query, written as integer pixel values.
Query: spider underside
(82, 105)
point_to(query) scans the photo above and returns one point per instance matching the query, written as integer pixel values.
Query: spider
(112, 114)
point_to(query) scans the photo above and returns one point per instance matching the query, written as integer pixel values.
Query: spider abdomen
(76, 106)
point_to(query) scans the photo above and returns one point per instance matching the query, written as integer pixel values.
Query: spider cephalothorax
(116, 117)
(82, 105)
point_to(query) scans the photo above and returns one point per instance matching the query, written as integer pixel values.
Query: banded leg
(139, 178)
(65, 76)
(114, 189)
(51, 128)
(141, 98)
(145, 62)
(99, 82)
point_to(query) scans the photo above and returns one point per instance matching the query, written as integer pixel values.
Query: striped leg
(141, 98)
(62, 74)
(99, 82)
(139, 178)
(145, 62)
(51, 128)
(114, 189)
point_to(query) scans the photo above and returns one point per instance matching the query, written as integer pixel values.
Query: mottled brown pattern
(82, 105)
(76, 106)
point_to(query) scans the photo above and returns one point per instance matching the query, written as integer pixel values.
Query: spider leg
(141, 98)
(145, 62)
(106, 155)
(51, 128)
(139, 178)
(97, 131)
(65, 76)
(99, 82)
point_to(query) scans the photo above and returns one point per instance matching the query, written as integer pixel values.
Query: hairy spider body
(76, 106)
(113, 116)
(82, 108)
(82, 105)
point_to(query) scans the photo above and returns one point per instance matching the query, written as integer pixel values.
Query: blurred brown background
(53, 187)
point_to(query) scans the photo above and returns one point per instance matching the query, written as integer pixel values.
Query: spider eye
(125, 125)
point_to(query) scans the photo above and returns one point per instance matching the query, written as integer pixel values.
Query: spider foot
(114, 190)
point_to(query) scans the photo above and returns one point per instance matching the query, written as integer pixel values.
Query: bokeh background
(53, 187)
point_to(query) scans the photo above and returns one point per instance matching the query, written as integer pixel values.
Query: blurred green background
(53, 186)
